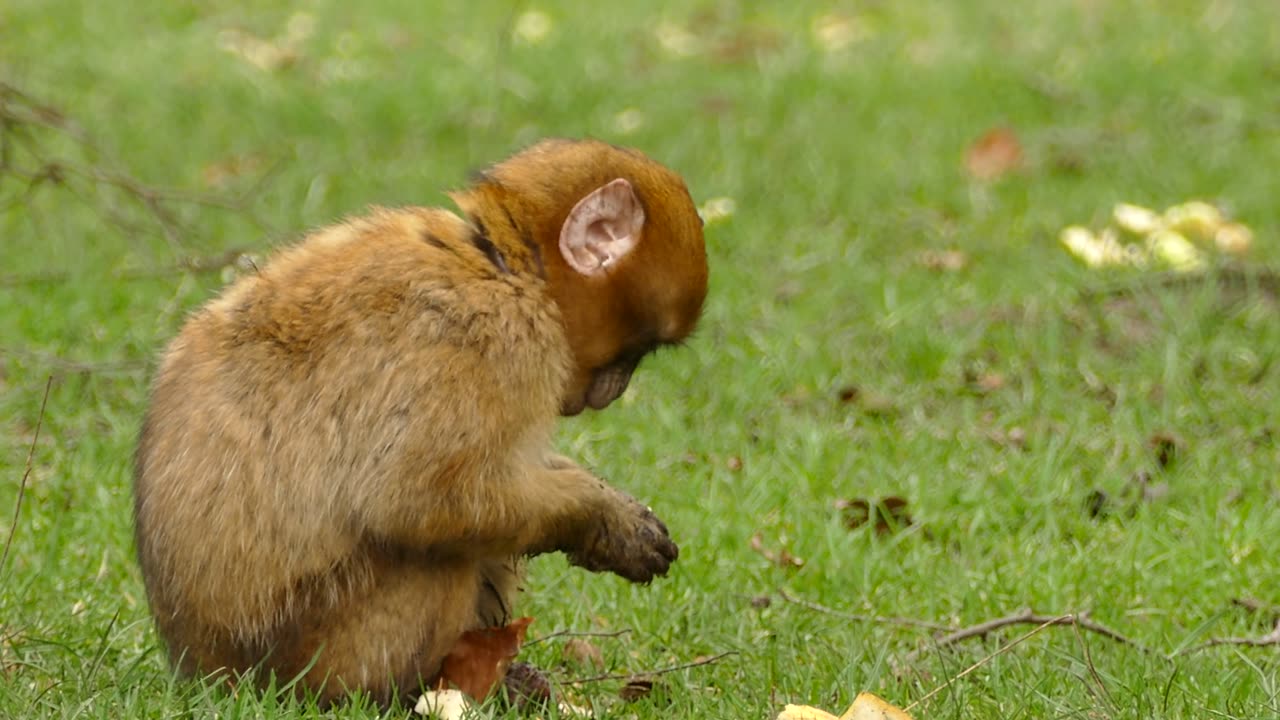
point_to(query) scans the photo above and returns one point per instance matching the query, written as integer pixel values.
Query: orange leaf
(994, 155)
(479, 660)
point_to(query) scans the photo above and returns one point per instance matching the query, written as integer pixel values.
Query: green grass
(844, 167)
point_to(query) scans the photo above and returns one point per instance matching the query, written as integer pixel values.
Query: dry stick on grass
(857, 617)
(986, 660)
(576, 633)
(20, 115)
(192, 264)
(1027, 617)
(26, 474)
(1271, 638)
(652, 673)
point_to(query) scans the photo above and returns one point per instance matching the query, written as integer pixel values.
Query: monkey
(346, 456)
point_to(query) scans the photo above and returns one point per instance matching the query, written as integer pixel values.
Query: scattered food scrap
(1182, 237)
(865, 707)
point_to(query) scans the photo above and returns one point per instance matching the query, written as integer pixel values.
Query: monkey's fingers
(635, 546)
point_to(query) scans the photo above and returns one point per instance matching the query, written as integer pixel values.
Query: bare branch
(1027, 617)
(1271, 638)
(857, 617)
(575, 633)
(26, 474)
(987, 659)
(652, 673)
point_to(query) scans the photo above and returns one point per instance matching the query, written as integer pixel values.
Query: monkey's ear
(602, 228)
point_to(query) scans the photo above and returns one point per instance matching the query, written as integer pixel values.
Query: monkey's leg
(385, 636)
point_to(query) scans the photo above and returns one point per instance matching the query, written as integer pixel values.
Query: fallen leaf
(943, 260)
(1097, 503)
(479, 660)
(578, 651)
(889, 513)
(1167, 446)
(870, 402)
(782, 558)
(994, 155)
(635, 690)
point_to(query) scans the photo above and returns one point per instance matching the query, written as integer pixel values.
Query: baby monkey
(347, 453)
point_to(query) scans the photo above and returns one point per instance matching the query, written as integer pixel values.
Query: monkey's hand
(626, 539)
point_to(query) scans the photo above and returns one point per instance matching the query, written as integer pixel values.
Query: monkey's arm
(536, 507)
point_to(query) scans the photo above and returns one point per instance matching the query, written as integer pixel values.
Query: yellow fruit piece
(1175, 250)
(805, 712)
(1081, 242)
(1233, 238)
(869, 707)
(1197, 219)
(1136, 219)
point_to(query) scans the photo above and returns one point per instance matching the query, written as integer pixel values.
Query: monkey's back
(362, 365)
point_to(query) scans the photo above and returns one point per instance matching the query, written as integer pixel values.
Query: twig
(26, 474)
(858, 617)
(1026, 617)
(987, 659)
(192, 264)
(1093, 669)
(1271, 638)
(63, 366)
(575, 633)
(1230, 277)
(652, 673)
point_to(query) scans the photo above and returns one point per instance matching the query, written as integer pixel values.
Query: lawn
(881, 324)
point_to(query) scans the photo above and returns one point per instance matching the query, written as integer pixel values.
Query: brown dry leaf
(1167, 446)
(220, 174)
(480, 658)
(943, 260)
(994, 155)
(1015, 438)
(782, 558)
(872, 403)
(890, 513)
(578, 651)
(734, 463)
(635, 690)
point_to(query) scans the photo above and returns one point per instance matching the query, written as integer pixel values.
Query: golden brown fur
(346, 453)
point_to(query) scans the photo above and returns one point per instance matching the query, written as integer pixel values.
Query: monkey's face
(625, 257)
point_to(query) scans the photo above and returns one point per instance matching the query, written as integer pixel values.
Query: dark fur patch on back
(481, 240)
(534, 251)
(432, 240)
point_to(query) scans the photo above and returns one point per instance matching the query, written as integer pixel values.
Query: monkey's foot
(526, 687)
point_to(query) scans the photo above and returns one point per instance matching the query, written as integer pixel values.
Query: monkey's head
(620, 243)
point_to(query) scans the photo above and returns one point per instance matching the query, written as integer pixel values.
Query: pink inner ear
(602, 228)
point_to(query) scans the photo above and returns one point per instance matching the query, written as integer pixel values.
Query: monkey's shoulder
(411, 275)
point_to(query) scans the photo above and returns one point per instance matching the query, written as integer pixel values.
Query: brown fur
(347, 453)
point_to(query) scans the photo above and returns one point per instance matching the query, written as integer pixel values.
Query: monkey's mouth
(569, 408)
